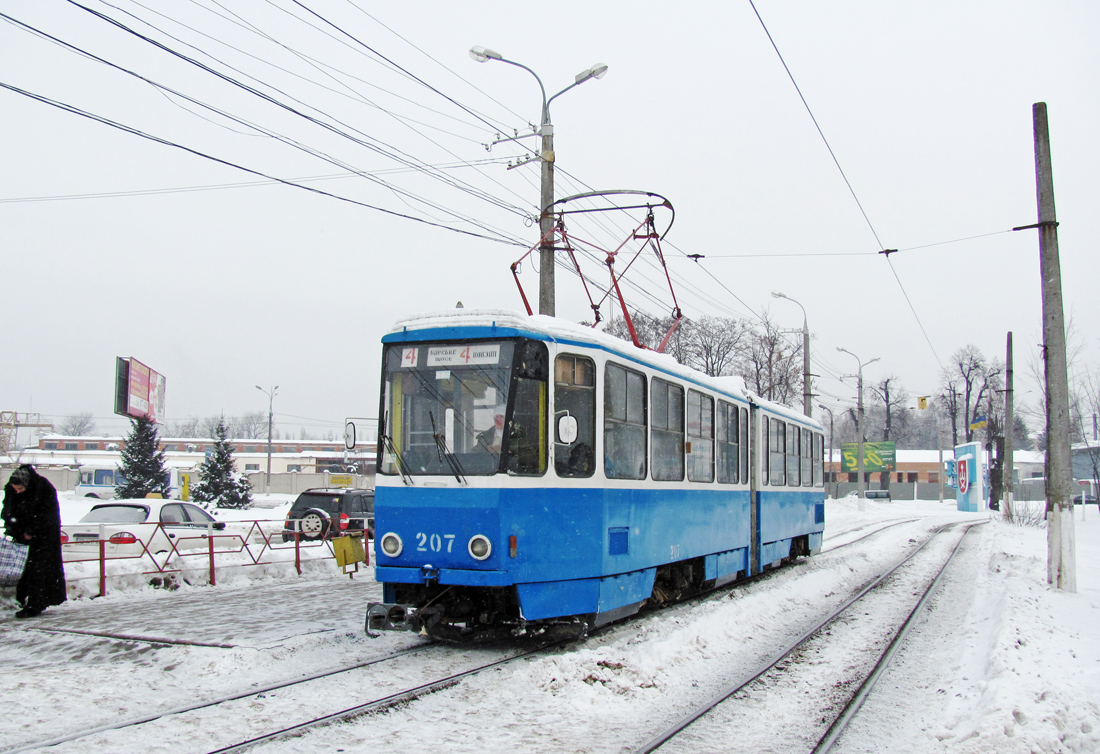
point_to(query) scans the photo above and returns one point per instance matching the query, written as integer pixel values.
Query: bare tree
(185, 428)
(716, 344)
(969, 379)
(771, 365)
(891, 399)
(78, 425)
(251, 425)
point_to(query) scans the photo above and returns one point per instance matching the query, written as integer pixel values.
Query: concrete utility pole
(807, 396)
(1010, 431)
(1061, 556)
(546, 155)
(270, 416)
(861, 482)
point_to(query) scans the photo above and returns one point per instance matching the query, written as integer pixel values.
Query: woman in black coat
(32, 517)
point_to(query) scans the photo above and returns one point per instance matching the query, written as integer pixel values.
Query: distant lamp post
(823, 407)
(270, 402)
(546, 131)
(859, 425)
(807, 396)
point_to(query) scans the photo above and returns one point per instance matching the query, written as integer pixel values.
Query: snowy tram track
(808, 672)
(383, 703)
(252, 692)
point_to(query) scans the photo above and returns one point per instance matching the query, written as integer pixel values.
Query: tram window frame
(807, 458)
(700, 445)
(794, 455)
(744, 446)
(727, 451)
(666, 431)
(765, 450)
(575, 388)
(524, 450)
(624, 420)
(777, 453)
(819, 460)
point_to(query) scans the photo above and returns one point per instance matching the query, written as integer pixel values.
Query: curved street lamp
(270, 402)
(861, 485)
(546, 131)
(807, 396)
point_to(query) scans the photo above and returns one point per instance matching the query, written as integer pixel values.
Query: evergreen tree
(143, 462)
(219, 483)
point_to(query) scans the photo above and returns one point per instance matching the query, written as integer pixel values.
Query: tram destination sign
(877, 456)
(462, 355)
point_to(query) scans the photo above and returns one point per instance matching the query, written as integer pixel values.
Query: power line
(129, 129)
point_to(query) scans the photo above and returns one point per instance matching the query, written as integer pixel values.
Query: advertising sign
(139, 390)
(877, 456)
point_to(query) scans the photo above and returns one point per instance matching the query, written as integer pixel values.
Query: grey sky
(926, 106)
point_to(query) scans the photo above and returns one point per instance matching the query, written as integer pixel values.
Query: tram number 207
(434, 542)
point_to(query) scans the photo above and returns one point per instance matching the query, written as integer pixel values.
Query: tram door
(758, 460)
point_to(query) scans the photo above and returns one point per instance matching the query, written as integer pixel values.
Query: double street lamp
(546, 131)
(807, 396)
(270, 402)
(859, 425)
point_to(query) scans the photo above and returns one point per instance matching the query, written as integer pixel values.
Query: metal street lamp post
(546, 131)
(807, 396)
(270, 402)
(823, 407)
(859, 426)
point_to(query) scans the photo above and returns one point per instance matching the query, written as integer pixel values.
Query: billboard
(877, 456)
(139, 391)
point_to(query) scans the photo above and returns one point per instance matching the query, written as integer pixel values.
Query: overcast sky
(114, 245)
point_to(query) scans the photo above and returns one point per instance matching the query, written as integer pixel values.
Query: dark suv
(328, 513)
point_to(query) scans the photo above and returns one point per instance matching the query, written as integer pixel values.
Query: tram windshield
(469, 408)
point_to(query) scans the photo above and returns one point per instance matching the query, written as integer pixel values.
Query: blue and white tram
(535, 475)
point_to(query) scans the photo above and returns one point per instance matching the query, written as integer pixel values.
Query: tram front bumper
(382, 616)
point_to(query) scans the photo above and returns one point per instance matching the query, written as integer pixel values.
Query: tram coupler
(382, 616)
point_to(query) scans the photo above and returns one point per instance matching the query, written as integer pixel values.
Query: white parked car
(130, 528)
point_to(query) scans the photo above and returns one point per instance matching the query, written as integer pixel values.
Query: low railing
(211, 541)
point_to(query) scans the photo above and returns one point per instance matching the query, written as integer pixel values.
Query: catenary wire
(136, 132)
(270, 100)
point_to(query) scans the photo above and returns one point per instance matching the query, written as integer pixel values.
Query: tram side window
(777, 453)
(525, 444)
(765, 435)
(744, 446)
(624, 441)
(667, 431)
(807, 458)
(575, 395)
(793, 460)
(700, 435)
(819, 460)
(728, 443)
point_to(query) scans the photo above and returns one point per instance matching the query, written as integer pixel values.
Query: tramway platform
(252, 616)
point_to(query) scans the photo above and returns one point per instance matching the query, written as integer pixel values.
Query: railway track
(179, 718)
(183, 710)
(798, 670)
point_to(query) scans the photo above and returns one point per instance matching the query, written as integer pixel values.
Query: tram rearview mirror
(567, 429)
(349, 435)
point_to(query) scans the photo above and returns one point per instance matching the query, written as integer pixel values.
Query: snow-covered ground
(1000, 663)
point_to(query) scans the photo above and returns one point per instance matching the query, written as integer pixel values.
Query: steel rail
(844, 719)
(386, 702)
(210, 703)
(663, 738)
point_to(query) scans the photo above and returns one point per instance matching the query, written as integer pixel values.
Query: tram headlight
(480, 547)
(391, 544)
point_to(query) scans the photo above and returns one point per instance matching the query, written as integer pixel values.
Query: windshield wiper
(387, 443)
(445, 454)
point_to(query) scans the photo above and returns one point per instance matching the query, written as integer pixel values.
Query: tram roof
(453, 324)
